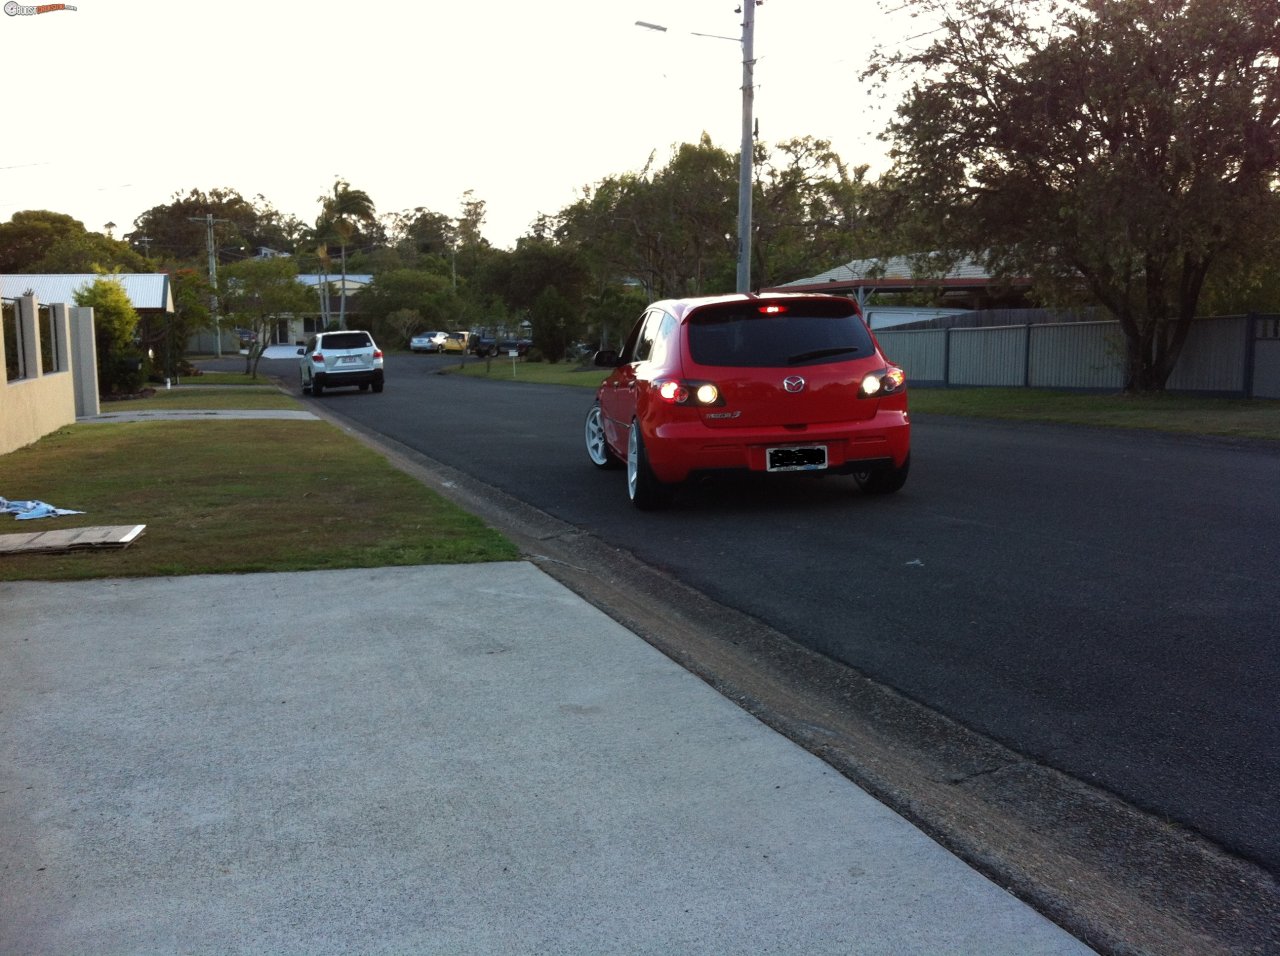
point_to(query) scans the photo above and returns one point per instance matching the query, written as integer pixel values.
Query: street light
(748, 11)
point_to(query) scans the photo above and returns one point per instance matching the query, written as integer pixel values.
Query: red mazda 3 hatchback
(769, 383)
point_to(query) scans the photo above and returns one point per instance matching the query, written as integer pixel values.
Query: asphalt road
(1102, 602)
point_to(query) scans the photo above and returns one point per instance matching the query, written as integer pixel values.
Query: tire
(316, 388)
(377, 386)
(883, 481)
(644, 490)
(598, 449)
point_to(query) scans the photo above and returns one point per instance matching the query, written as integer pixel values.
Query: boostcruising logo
(18, 10)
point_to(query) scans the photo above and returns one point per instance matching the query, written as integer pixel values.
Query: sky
(115, 106)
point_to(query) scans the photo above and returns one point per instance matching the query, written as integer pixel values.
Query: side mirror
(606, 358)
(302, 351)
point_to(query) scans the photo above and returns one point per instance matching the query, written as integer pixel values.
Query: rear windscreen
(345, 340)
(754, 334)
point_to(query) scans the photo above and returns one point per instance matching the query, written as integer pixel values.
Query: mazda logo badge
(793, 383)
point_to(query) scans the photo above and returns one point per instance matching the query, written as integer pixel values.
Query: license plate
(805, 458)
(349, 359)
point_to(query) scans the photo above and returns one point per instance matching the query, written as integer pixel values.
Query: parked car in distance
(455, 342)
(483, 346)
(519, 346)
(762, 383)
(427, 342)
(346, 359)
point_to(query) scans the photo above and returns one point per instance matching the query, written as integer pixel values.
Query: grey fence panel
(1077, 355)
(1266, 369)
(1087, 355)
(989, 356)
(921, 354)
(1212, 359)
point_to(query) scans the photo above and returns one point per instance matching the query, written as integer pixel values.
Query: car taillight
(675, 392)
(772, 309)
(377, 353)
(886, 381)
(317, 357)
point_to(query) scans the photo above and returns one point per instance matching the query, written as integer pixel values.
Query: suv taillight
(377, 353)
(317, 357)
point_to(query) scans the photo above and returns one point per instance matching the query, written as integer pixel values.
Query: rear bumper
(678, 450)
(353, 378)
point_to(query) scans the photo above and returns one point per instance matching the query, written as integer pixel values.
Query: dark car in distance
(763, 383)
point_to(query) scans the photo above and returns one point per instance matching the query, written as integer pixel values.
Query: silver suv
(340, 360)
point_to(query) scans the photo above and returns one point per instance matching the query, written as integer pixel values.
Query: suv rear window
(803, 333)
(346, 340)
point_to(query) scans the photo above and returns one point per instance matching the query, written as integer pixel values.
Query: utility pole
(208, 220)
(746, 168)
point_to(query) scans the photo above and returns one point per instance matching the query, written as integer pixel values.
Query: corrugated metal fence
(1233, 356)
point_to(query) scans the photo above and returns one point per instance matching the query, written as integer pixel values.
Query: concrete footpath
(458, 759)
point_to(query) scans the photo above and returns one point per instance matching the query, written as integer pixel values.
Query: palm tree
(340, 215)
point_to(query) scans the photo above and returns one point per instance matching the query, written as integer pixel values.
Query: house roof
(893, 274)
(148, 291)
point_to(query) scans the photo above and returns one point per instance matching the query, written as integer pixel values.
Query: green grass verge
(540, 373)
(1233, 418)
(234, 496)
(261, 395)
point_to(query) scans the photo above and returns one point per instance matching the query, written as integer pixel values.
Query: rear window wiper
(822, 353)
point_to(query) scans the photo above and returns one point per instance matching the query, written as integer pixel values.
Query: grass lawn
(1233, 418)
(542, 373)
(261, 394)
(233, 496)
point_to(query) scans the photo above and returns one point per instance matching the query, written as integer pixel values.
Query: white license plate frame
(796, 458)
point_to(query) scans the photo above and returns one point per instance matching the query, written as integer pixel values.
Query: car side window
(628, 354)
(648, 336)
(664, 333)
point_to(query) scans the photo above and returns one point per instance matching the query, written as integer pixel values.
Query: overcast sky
(113, 107)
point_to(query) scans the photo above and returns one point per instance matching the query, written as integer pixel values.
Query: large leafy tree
(1127, 146)
(400, 302)
(39, 241)
(809, 211)
(259, 292)
(177, 230)
(674, 229)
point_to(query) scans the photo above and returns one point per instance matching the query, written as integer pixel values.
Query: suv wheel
(316, 388)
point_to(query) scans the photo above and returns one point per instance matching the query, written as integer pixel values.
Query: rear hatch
(778, 364)
(347, 352)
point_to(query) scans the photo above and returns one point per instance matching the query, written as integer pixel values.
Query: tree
(554, 323)
(115, 322)
(177, 230)
(1129, 147)
(38, 241)
(259, 292)
(426, 294)
(809, 210)
(342, 213)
